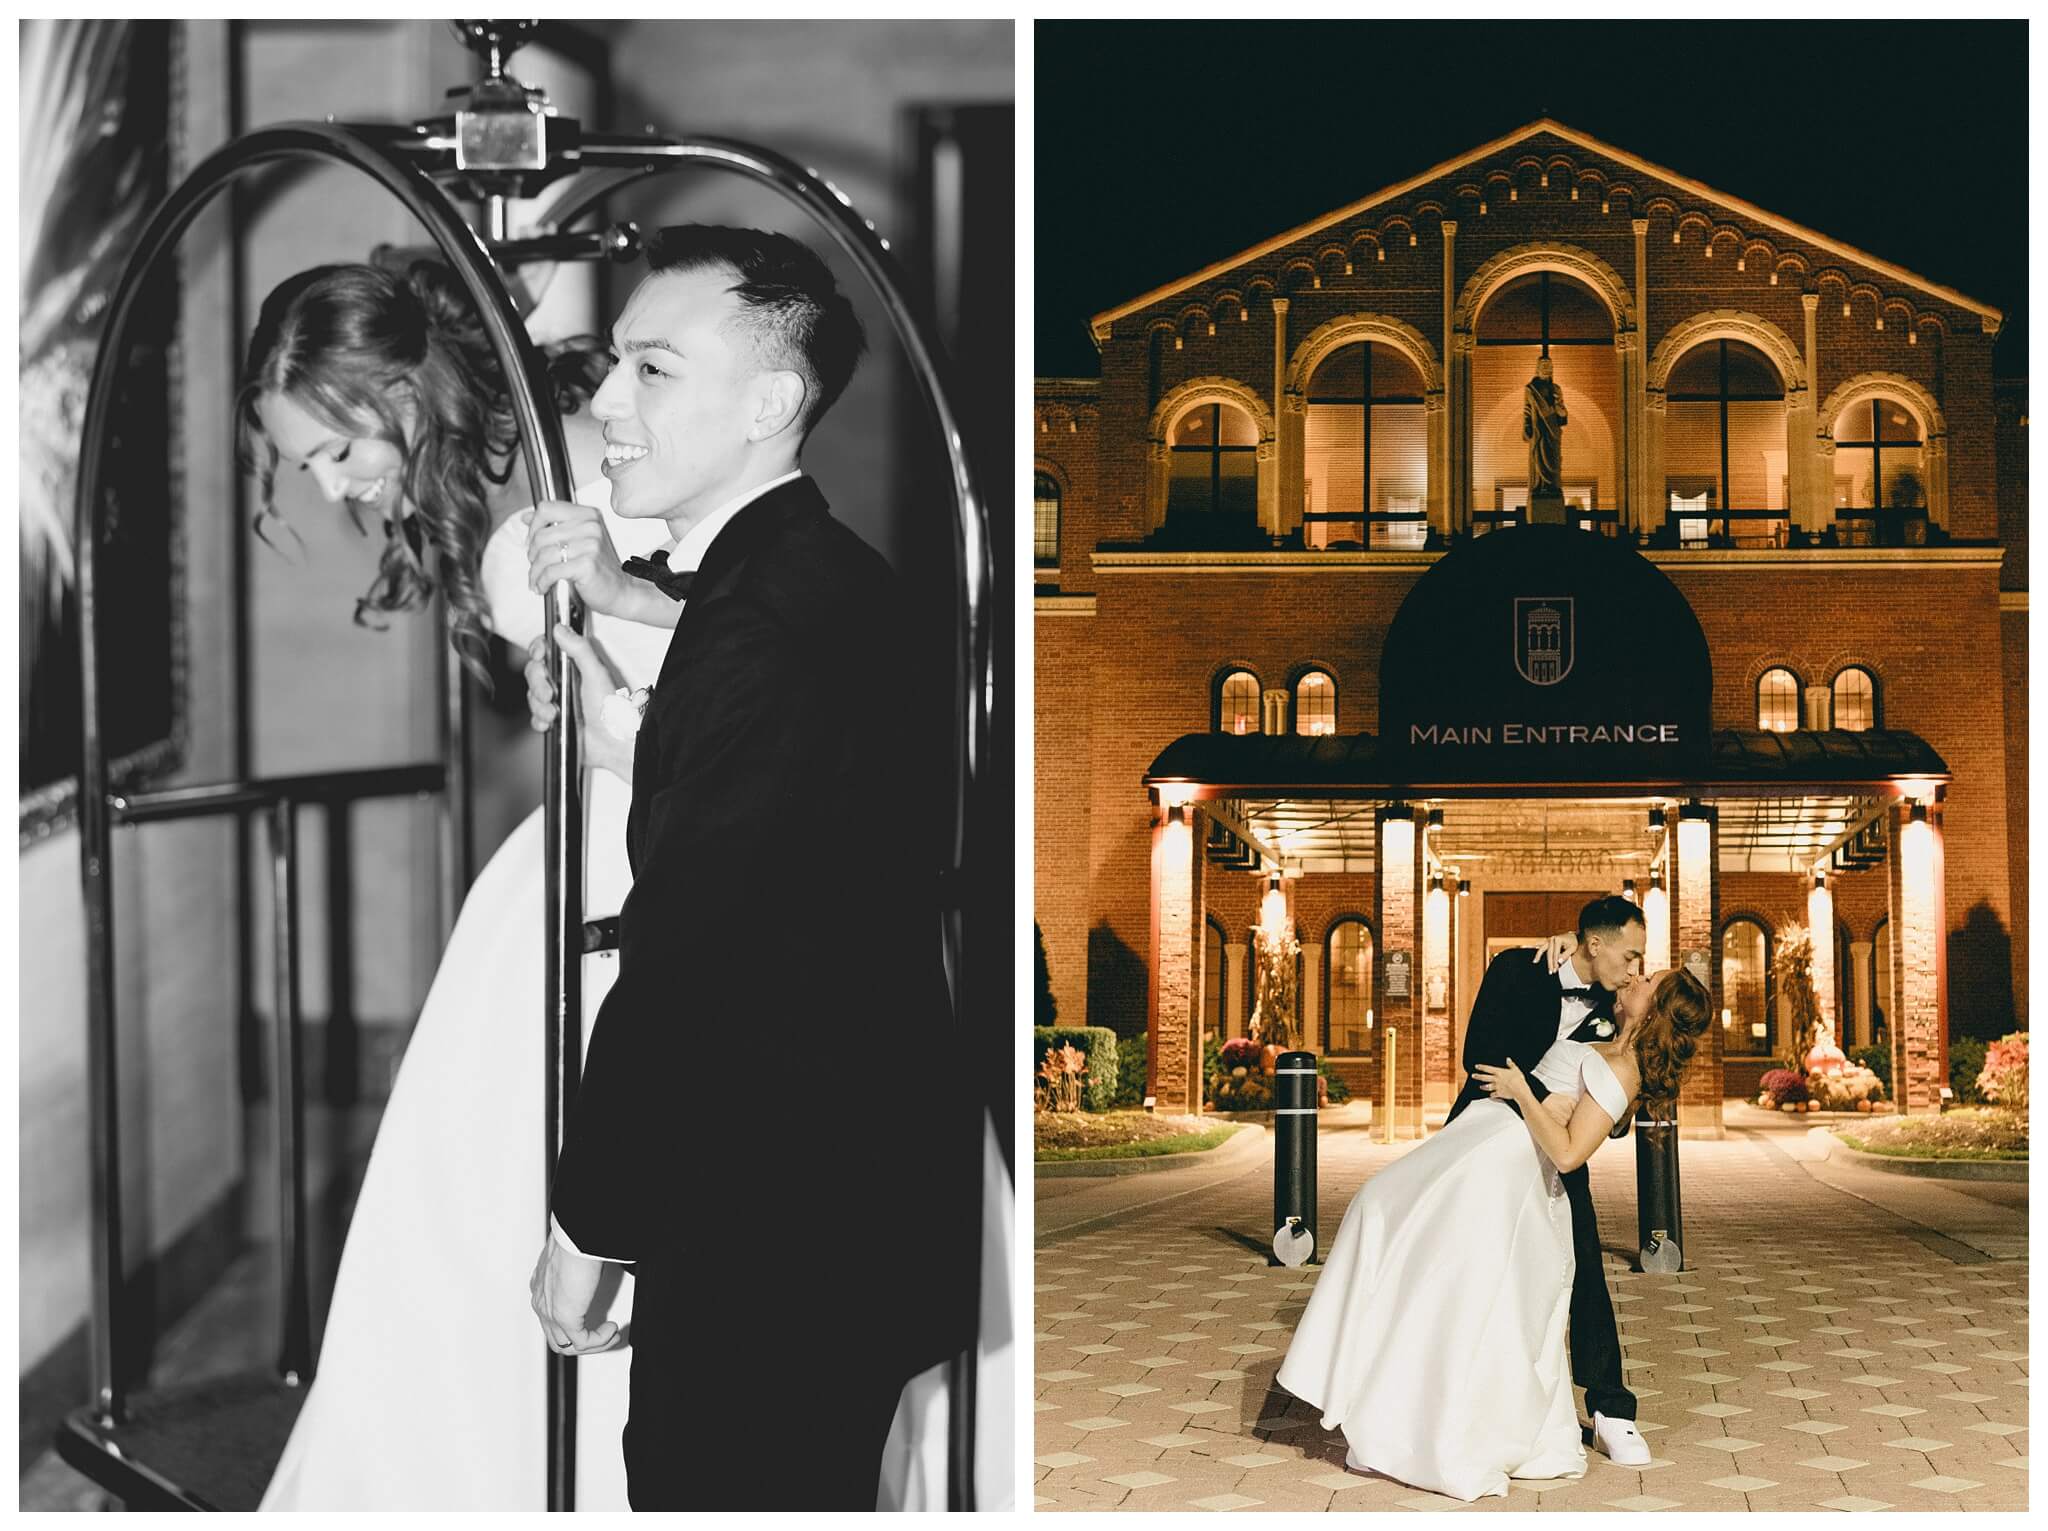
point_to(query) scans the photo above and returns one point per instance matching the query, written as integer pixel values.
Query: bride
(429, 1392)
(1435, 1336)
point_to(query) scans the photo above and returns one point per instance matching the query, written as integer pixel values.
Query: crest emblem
(1544, 642)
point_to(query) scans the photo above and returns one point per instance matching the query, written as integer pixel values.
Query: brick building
(1271, 538)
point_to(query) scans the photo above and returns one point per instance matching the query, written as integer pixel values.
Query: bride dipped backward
(383, 386)
(1663, 1018)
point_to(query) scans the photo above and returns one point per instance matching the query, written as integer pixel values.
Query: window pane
(1341, 375)
(1400, 456)
(1188, 489)
(1698, 371)
(1742, 988)
(1193, 428)
(1515, 312)
(1756, 460)
(1394, 375)
(1333, 465)
(1240, 486)
(1240, 710)
(1045, 520)
(1895, 422)
(1852, 478)
(1905, 482)
(1315, 704)
(1749, 371)
(1692, 451)
(1238, 430)
(1777, 701)
(1350, 955)
(1855, 701)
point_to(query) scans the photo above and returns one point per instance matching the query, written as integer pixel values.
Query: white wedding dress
(429, 1392)
(1435, 1336)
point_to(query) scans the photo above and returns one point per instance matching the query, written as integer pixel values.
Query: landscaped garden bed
(1062, 1135)
(1969, 1132)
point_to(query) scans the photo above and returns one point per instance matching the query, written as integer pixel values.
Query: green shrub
(1965, 1063)
(1333, 1083)
(1047, 1010)
(1133, 1066)
(1878, 1060)
(1098, 1044)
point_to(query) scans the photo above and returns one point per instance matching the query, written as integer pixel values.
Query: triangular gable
(1101, 322)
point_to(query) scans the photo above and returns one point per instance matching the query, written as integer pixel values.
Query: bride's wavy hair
(354, 346)
(1679, 1014)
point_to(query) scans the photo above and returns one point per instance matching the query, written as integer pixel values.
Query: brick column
(1311, 989)
(1820, 922)
(1280, 479)
(1914, 875)
(1176, 977)
(1629, 367)
(1695, 902)
(1856, 1025)
(1395, 890)
(1656, 493)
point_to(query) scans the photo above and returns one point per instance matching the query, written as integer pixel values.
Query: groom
(1522, 1008)
(763, 1130)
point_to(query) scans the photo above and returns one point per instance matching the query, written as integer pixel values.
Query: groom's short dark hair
(791, 310)
(1607, 915)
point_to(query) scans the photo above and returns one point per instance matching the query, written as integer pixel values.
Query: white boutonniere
(622, 710)
(1603, 1029)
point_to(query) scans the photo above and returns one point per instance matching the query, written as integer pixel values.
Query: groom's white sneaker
(1619, 1438)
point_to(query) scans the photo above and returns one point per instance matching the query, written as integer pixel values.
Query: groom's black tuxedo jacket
(1515, 1015)
(772, 1106)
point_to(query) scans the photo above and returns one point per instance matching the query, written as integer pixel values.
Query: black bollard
(1294, 1148)
(1659, 1236)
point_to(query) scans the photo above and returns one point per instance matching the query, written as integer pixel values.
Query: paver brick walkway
(1840, 1339)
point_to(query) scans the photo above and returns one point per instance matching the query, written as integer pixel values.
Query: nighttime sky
(1165, 146)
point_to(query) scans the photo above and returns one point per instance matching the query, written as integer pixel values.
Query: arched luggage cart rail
(402, 161)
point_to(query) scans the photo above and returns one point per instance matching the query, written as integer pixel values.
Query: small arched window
(1725, 437)
(1213, 939)
(1879, 457)
(1347, 955)
(1237, 703)
(1855, 700)
(1315, 703)
(1745, 987)
(1045, 521)
(1777, 701)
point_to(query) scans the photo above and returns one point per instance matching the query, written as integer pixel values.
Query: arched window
(1215, 469)
(1855, 700)
(1045, 521)
(1347, 974)
(1531, 318)
(1365, 451)
(1724, 438)
(1315, 703)
(1746, 987)
(1237, 703)
(1213, 939)
(1880, 464)
(1881, 973)
(1777, 701)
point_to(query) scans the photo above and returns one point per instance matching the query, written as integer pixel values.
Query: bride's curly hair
(1680, 1012)
(353, 345)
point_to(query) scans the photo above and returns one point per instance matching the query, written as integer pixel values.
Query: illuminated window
(1348, 954)
(1045, 521)
(1365, 447)
(1544, 314)
(1879, 458)
(1855, 700)
(1315, 703)
(1777, 701)
(1237, 710)
(1724, 437)
(1212, 977)
(1215, 468)
(1745, 987)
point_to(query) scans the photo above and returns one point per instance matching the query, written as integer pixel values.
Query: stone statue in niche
(1543, 423)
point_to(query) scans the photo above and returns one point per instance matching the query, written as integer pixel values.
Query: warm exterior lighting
(1727, 1019)
(1603, 204)
(1273, 910)
(1657, 880)
(1674, 236)
(1912, 337)
(1436, 883)
(1435, 819)
(1575, 193)
(1347, 268)
(1173, 794)
(1073, 427)
(1820, 877)
(1656, 824)
(1512, 193)
(1880, 321)
(1918, 815)
(1741, 263)
(1820, 921)
(1411, 239)
(1319, 281)
(1176, 342)
(1845, 308)
(1380, 253)
(1244, 316)
(1546, 181)
(1464, 888)
(1628, 887)
(1774, 278)
(1212, 329)
(1710, 249)
(1656, 927)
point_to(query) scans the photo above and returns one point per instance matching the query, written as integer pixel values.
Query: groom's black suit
(1516, 1015)
(768, 1124)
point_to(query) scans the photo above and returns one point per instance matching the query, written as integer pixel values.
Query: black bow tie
(673, 583)
(1584, 994)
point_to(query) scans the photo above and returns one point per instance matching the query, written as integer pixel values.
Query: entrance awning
(1785, 800)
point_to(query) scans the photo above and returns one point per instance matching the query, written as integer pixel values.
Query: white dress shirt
(1572, 1009)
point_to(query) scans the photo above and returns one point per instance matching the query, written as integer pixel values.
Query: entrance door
(1530, 919)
